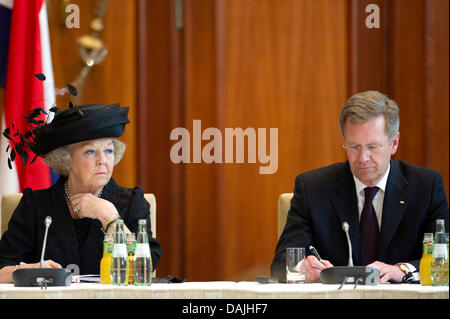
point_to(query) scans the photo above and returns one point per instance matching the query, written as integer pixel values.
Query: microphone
(48, 222)
(43, 277)
(345, 227)
(350, 274)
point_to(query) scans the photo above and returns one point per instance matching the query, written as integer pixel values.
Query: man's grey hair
(60, 160)
(365, 106)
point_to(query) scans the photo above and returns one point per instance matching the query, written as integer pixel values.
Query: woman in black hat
(80, 144)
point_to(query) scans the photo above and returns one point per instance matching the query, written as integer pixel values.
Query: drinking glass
(295, 267)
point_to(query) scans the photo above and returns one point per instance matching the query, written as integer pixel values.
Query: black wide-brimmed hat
(80, 123)
(75, 124)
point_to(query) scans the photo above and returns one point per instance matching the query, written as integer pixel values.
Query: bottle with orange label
(105, 263)
(131, 246)
(425, 262)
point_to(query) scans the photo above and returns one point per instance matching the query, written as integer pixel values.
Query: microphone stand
(349, 274)
(345, 227)
(42, 277)
(48, 222)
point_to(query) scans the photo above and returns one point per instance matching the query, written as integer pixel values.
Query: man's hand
(388, 272)
(313, 267)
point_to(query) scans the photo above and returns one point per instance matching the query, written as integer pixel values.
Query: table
(226, 290)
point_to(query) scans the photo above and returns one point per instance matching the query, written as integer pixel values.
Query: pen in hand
(314, 251)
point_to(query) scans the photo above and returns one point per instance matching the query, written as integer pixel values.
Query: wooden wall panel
(112, 81)
(407, 76)
(159, 99)
(436, 80)
(204, 244)
(369, 48)
(260, 65)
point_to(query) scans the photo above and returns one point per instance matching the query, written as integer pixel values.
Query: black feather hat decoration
(21, 142)
(75, 124)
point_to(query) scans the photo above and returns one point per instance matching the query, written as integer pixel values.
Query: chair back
(9, 204)
(284, 203)
(151, 199)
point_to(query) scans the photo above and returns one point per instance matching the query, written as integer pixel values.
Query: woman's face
(92, 163)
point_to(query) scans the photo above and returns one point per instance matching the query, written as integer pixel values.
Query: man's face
(369, 149)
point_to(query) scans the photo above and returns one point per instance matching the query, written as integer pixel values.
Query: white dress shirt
(377, 200)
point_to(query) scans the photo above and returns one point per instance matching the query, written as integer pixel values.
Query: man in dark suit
(388, 204)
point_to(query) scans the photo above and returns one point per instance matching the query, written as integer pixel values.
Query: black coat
(326, 197)
(67, 243)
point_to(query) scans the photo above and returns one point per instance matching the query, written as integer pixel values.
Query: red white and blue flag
(24, 51)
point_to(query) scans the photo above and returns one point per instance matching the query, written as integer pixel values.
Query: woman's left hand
(91, 206)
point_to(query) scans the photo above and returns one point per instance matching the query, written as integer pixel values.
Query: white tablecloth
(226, 290)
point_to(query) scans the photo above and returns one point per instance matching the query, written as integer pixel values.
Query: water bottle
(119, 256)
(142, 258)
(439, 260)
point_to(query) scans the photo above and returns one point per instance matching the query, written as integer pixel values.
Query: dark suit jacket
(326, 197)
(22, 242)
